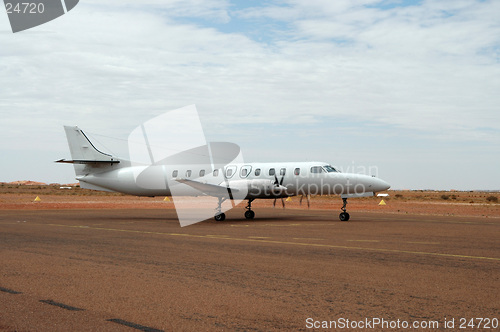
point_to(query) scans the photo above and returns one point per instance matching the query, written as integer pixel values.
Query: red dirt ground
(482, 204)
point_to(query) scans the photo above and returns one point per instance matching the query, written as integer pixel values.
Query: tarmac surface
(137, 269)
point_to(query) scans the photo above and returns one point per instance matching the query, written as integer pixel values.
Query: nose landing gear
(344, 216)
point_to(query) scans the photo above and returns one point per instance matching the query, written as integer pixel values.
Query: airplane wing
(207, 188)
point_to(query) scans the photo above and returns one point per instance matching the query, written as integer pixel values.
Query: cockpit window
(329, 169)
(316, 169)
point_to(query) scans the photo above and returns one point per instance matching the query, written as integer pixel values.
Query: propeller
(279, 184)
(276, 182)
(282, 202)
(308, 197)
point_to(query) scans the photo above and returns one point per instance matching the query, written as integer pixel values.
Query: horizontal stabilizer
(206, 188)
(88, 161)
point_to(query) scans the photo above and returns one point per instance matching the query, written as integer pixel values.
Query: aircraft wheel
(249, 214)
(220, 217)
(344, 216)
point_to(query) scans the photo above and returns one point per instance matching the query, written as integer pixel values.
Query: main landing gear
(344, 216)
(249, 214)
(219, 215)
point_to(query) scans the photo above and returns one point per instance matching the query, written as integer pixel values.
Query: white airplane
(101, 171)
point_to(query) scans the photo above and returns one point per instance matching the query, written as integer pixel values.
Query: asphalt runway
(90, 270)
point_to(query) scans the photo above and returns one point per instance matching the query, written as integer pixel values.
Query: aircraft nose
(380, 185)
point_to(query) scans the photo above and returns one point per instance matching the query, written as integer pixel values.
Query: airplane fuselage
(262, 180)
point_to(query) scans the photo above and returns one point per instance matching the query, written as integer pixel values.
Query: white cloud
(213, 10)
(435, 65)
(109, 65)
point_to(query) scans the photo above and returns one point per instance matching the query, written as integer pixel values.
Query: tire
(249, 214)
(344, 216)
(220, 217)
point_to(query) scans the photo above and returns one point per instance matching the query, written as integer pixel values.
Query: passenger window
(230, 171)
(296, 171)
(257, 172)
(282, 171)
(272, 171)
(202, 173)
(245, 171)
(188, 173)
(175, 173)
(216, 172)
(316, 169)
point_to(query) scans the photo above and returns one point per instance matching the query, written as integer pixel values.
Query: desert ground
(447, 203)
(86, 261)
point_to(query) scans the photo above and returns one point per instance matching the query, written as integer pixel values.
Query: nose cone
(369, 184)
(379, 185)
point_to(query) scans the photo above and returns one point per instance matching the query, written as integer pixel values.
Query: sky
(405, 90)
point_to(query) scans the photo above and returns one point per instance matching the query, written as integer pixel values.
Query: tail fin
(85, 156)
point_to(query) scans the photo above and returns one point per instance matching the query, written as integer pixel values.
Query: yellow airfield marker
(167, 199)
(289, 199)
(382, 202)
(37, 199)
